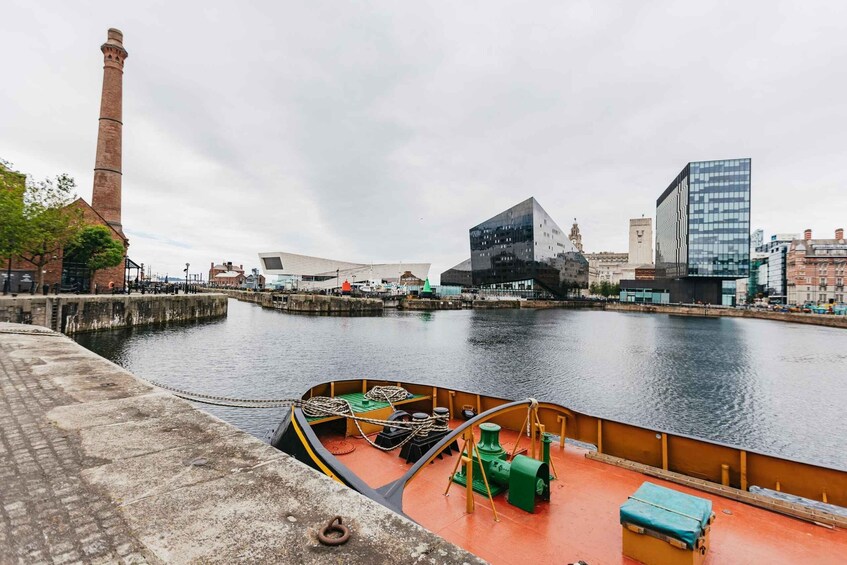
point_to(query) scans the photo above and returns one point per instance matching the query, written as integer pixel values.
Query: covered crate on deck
(661, 525)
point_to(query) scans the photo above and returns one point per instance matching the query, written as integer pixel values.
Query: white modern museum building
(302, 272)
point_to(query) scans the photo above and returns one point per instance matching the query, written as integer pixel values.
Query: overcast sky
(382, 131)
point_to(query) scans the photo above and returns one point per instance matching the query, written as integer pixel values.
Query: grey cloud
(382, 131)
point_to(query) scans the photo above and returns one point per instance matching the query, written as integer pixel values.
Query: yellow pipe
(455, 468)
(743, 470)
(487, 488)
(520, 435)
(563, 420)
(469, 487)
(599, 435)
(665, 451)
(364, 386)
(725, 474)
(532, 437)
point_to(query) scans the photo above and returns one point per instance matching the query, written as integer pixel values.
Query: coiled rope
(325, 406)
(389, 394)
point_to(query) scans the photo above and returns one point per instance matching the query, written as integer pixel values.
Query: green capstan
(489, 442)
(525, 478)
(489, 451)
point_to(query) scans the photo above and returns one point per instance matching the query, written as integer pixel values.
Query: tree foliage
(12, 188)
(95, 248)
(50, 223)
(35, 219)
(594, 288)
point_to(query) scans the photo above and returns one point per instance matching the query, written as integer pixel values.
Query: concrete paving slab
(110, 412)
(154, 474)
(131, 439)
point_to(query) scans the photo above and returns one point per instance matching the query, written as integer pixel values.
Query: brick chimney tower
(839, 233)
(106, 197)
(807, 234)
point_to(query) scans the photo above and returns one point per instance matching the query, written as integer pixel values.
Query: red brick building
(816, 269)
(105, 207)
(232, 279)
(220, 268)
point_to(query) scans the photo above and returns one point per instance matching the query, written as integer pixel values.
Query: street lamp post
(7, 284)
(186, 277)
(338, 286)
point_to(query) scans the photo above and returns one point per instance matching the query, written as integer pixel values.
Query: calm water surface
(768, 386)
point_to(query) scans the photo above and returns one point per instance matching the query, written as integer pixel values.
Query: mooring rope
(326, 406)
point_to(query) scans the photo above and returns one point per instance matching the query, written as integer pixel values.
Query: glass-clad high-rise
(703, 230)
(524, 252)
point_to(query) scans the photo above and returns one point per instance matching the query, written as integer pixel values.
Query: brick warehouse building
(105, 207)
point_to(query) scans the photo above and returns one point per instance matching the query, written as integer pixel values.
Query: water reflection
(767, 386)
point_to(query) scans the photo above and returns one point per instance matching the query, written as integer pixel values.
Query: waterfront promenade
(99, 467)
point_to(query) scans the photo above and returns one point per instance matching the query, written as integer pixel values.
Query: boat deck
(581, 519)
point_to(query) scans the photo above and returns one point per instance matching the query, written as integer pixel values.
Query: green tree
(593, 289)
(50, 224)
(605, 289)
(95, 248)
(616, 290)
(12, 188)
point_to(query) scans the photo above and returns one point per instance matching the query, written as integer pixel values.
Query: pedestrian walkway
(48, 514)
(98, 467)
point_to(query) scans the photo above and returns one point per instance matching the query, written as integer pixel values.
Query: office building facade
(703, 231)
(459, 275)
(522, 251)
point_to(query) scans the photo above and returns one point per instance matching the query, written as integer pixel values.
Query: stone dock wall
(713, 312)
(103, 468)
(701, 311)
(309, 303)
(427, 304)
(74, 313)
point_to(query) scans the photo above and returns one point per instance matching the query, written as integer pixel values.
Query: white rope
(325, 406)
(389, 394)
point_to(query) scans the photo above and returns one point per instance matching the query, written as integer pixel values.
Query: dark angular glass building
(703, 231)
(460, 275)
(523, 252)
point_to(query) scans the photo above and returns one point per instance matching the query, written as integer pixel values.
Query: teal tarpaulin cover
(675, 514)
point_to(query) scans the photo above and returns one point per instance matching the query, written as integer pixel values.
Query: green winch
(524, 478)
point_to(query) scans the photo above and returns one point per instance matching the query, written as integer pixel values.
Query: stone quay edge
(78, 313)
(97, 466)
